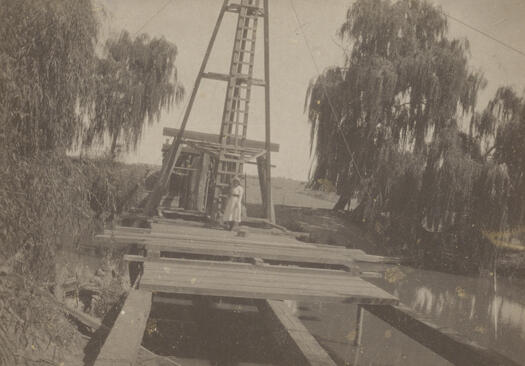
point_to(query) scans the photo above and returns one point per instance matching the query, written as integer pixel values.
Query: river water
(471, 306)
(466, 304)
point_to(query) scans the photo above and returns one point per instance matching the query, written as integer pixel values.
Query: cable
(485, 34)
(332, 108)
(153, 16)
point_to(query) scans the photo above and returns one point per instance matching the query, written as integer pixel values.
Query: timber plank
(293, 283)
(204, 234)
(306, 344)
(228, 249)
(445, 342)
(210, 268)
(125, 337)
(262, 283)
(277, 268)
(202, 136)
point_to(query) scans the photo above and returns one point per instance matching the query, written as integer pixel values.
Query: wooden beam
(240, 265)
(122, 344)
(296, 334)
(275, 253)
(160, 186)
(202, 183)
(359, 325)
(211, 137)
(202, 236)
(447, 343)
(255, 163)
(270, 214)
(235, 8)
(225, 77)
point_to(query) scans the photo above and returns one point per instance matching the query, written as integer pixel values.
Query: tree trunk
(114, 145)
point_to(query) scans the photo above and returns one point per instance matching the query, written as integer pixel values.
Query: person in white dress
(233, 210)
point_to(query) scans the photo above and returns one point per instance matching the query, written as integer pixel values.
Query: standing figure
(233, 209)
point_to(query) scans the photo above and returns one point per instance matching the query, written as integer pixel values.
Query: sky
(189, 24)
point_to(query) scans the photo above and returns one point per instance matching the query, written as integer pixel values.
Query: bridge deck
(243, 280)
(214, 274)
(197, 240)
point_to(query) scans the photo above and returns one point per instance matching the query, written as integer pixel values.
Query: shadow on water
(208, 336)
(468, 305)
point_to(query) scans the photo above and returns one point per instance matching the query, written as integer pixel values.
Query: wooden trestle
(191, 259)
(264, 267)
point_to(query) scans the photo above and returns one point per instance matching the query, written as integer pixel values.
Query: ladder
(230, 152)
(237, 103)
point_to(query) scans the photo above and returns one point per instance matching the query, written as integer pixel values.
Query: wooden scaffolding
(229, 150)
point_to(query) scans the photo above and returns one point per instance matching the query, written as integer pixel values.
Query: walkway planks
(258, 282)
(123, 342)
(310, 350)
(203, 241)
(239, 250)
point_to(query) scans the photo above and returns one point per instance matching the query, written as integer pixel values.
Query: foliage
(52, 87)
(54, 202)
(135, 80)
(33, 330)
(46, 60)
(387, 129)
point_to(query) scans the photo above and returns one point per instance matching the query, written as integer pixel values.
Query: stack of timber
(196, 239)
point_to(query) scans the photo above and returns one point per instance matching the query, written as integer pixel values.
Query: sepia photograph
(262, 182)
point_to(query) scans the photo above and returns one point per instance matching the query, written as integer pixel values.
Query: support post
(261, 172)
(167, 168)
(202, 183)
(268, 196)
(359, 325)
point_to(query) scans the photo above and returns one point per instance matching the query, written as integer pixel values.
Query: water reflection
(472, 306)
(492, 317)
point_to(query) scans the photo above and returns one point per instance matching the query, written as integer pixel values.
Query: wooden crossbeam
(225, 77)
(447, 343)
(122, 344)
(210, 137)
(306, 346)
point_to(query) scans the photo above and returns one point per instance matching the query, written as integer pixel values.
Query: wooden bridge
(181, 257)
(191, 259)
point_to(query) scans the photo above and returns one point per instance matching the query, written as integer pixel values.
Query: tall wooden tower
(230, 152)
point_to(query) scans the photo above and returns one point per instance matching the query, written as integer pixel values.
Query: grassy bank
(51, 205)
(301, 209)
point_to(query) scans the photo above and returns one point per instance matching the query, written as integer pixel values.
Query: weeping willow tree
(508, 110)
(390, 127)
(46, 62)
(47, 52)
(135, 80)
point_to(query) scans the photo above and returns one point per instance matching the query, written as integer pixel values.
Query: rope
(332, 108)
(512, 48)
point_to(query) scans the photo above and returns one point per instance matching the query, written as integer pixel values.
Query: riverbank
(339, 228)
(491, 315)
(303, 210)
